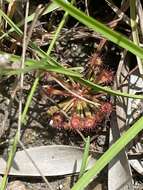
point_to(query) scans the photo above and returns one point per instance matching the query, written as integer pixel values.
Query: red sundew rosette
(89, 122)
(76, 122)
(105, 77)
(95, 61)
(106, 108)
(57, 120)
(86, 123)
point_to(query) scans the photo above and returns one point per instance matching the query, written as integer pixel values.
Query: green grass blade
(10, 22)
(70, 73)
(48, 64)
(29, 99)
(9, 163)
(97, 26)
(65, 17)
(109, 155)
(108, 90)
(43, 64)
(85, 157)
(43, 67)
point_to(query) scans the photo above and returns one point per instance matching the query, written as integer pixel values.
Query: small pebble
(60, 187)
(16, 185)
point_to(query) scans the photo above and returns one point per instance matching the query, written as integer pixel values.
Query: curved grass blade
(11, 23)
(85, 157)
(54, 67)
(49, 68)
(97, 87)
(97, 26)
(9, 163)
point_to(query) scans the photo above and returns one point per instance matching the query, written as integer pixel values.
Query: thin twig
(22, 67)
(39, 11)
(120, 13)
(140, 14)
(73, 93)
(135, 34)
(103, 41)
(86, 5)
(35, 165)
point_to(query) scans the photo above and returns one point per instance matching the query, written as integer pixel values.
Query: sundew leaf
(109, 155)
(97, 26)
